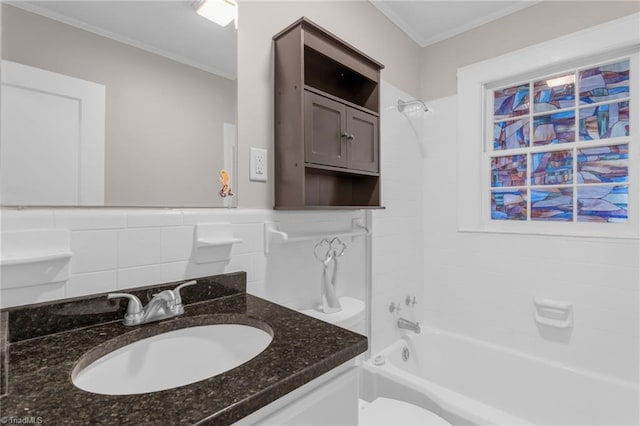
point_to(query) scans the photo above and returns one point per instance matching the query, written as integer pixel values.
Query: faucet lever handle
(134, 307)
(176, 291)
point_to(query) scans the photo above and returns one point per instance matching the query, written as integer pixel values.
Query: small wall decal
(224, 180)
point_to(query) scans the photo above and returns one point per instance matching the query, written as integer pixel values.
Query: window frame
(604, 43)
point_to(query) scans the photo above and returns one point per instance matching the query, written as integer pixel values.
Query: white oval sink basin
(172, 359)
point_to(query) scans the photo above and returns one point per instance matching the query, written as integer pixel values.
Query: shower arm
(403, 104)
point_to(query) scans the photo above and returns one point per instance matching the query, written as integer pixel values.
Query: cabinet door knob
(351, 137)
(345, 135)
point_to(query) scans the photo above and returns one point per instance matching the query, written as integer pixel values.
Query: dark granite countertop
(38, 371)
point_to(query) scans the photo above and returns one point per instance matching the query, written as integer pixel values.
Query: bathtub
(470, 382)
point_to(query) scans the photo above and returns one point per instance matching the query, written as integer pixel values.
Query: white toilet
(386, 411)
(350, 317)
(381, 411)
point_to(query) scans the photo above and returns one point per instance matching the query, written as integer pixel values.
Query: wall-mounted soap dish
(35, 257)
(213, 242)
(553, 313)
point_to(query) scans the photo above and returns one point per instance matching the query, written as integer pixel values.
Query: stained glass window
(508, 171)
(554, 93)
(552, 204)
(509, 204)
(511, 134)
(603, 203)
(552, 168)
(604, 121)
(603, 164)
(560, 146)
(604, 83)
(559, 127)
(511, 101)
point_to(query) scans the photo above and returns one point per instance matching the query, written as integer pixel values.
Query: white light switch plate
(258, 165)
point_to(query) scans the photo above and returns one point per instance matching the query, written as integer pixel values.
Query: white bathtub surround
(480, 290)
(469, 381)
(483, 284)
(397, 242)
(118, 248)
(388, 411)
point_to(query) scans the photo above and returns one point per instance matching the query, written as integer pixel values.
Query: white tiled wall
(483, 285)
(397, 243)
(117, 249)
(476, 284)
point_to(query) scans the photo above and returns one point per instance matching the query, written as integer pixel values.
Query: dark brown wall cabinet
(327, 105)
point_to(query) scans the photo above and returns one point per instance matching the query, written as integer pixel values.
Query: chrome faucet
(166, 304)
(409, 325)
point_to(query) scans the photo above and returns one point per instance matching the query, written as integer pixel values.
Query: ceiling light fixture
(560, 81)
(222, 12)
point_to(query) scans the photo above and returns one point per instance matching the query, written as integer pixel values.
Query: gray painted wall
(164, 119)
(538, 23)
(429, 72)
(357, 22)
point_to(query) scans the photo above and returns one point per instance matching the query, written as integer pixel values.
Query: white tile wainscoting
(118, 248)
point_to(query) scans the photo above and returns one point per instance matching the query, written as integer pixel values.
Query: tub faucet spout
(409, 325)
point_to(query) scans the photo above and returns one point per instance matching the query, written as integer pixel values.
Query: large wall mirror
(117, 103)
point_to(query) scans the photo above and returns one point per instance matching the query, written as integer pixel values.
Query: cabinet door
(324, 131)
(362, 141)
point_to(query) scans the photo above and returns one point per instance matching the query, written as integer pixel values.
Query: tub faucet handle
(409, 301)
(394, 307)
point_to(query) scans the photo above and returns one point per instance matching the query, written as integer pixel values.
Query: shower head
(403, 104)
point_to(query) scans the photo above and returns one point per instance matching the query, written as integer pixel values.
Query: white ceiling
(172, 28)
(430, 21)
(168, 28)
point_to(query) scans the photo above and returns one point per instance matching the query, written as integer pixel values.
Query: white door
(52, 138)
